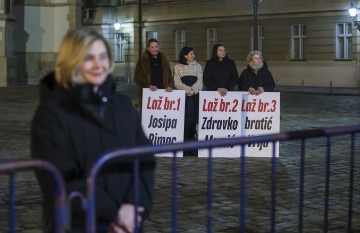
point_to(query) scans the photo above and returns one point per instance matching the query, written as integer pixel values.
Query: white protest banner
(163, 117)
(260, 115)
(219, 117)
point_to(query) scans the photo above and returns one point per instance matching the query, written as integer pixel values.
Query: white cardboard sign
(260, 115)
(163, 117)
(239, 114)
(219, 117)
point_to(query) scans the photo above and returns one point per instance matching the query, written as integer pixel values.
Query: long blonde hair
(72, 53)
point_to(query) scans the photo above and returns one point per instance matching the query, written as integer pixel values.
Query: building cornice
(208, 19)
(53, 3)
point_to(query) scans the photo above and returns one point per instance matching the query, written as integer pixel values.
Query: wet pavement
(299, 110)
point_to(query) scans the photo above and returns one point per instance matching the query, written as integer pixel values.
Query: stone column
(7, 56)
(75, 14)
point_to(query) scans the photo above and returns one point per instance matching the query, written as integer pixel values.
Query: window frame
(300, 36)
(211, 40)
(346, 36)
(151, 35)
(119, 48)
(261, 38)
(180, 40)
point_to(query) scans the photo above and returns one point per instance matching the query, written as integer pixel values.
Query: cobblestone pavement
(298, 111)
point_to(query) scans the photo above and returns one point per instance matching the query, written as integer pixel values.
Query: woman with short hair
(256, 78)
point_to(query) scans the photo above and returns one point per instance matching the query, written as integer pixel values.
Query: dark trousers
(191, 117)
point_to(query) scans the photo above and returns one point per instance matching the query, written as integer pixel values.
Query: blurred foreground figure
(79, 118)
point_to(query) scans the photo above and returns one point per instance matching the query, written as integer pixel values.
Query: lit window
(343, 40)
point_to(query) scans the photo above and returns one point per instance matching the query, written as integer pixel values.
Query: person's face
(190, 56)
(96, 65)
(153, 48)
(221, 52)
(256, 59)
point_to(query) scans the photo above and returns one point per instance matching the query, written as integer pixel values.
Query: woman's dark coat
(72, 128)
(220, 74)
(263, 78)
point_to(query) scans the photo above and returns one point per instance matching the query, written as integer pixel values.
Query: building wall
(234, 19)
(37, 40)
(39, 30)
(7, 58)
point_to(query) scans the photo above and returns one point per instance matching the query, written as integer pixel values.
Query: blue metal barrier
(243, 141)
(14, 166)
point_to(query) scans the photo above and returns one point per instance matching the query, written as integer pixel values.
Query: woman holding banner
(220, 73)
(79, 118)
(256, 78)
(153, 70)
(188, 76)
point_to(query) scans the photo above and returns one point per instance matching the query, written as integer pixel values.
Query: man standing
(153, 70)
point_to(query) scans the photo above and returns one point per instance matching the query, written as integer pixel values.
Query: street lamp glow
(117, 26)
(352, 10)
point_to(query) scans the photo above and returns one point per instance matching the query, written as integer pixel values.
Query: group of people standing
(220, 74)
(80, 117)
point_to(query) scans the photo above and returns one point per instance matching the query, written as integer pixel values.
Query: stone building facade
(307, 42)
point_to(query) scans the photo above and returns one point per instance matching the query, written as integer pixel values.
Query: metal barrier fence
(62, 209)
(12, 167)
(272, 138)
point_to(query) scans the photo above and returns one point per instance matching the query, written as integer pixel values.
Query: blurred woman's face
(221, 52)
(256, 59)
(96, 65)
(153, 48)
(190, 56)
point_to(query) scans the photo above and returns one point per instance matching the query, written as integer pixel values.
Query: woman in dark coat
(220, 73)
(256, 78)
(79, 118)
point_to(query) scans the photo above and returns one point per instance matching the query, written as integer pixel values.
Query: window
(261, 37)
(298, 34)
(151, 35)
(119, 48)
(343, 40)
(211, 40)
(179, 42)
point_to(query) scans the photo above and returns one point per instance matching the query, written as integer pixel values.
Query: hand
(116, 229)
(153, 88)
(191, 93)
(257, 92)
(222, 91)
(252, 91)
(125, 222)
(168, 89)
